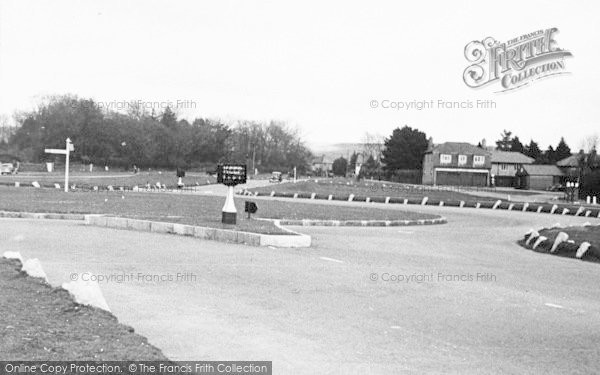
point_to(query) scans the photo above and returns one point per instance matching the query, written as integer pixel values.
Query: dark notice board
(231, 174)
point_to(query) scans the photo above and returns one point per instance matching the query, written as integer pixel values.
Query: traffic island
(39, 322)
(439, 198)
(580, 242)
(290, 238)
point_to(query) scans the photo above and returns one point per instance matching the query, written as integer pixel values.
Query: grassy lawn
(127, 180)
(578, 234)
(38, 322)
(186, 209)
(344, 187)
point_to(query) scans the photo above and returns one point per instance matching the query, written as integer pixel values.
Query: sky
(319, 65)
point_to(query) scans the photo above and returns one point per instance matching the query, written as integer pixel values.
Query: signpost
(68, 148)
(230, 175)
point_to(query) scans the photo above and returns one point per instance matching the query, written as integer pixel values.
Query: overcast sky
(315, 64)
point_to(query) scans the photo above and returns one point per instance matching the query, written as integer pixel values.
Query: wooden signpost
(230, 175)
(68, 148)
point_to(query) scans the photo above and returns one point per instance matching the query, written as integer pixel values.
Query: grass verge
(198, 210)
(39, 322)
(344, 187)
(87, 181)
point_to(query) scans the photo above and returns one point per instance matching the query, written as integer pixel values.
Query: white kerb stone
(533, 234)
(583, 248)
(86, 293)
(562, 237)
(13, 255)
(539, 241)
(33, 267)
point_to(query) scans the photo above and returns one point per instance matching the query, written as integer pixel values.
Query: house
(573, 166)
(456, 163)
(505, 165)
(321, 166)
(539, 176)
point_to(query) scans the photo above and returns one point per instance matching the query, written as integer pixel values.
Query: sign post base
(229, 211)
(229, 218)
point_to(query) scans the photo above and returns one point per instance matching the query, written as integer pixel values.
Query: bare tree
(373, 145)
(591, 142)
(7, 128)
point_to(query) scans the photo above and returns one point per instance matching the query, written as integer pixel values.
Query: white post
(67, 154)
(294, 174)
(229, 211)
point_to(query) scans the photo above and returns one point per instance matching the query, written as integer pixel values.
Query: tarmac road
(361, 300)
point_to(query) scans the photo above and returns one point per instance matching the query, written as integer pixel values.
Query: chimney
(430, 143)
(483, 145)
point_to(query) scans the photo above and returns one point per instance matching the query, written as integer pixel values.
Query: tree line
(508, 142)
(150, 139)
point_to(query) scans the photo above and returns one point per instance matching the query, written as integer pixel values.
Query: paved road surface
(318, 310)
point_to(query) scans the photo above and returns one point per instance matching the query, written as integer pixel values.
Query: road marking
(396, 327)
(331, 259)
(553, 305)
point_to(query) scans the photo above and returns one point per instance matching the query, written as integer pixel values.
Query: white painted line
(396, 327)
(331, 259)
(553, 305)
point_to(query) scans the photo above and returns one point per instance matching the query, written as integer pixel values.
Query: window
(445, 158)
(478, 160)
(503, 166)
(462, 159)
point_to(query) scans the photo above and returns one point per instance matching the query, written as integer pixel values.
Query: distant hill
(332, 151)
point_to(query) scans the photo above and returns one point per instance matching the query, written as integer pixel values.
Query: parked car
(276, 177)
(6, 168)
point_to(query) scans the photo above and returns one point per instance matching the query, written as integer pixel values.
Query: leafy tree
(533, 151)
(505, 141)
(516, 145)
(404, 149)
(370, 168)
(562, 150)
(339, 166)
(549, 156)
(152, 139)
(353, 160)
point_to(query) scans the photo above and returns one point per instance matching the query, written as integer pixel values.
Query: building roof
(541, 170)
(510, 157)
(570, 161)
(458, 148)
(317, 159)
